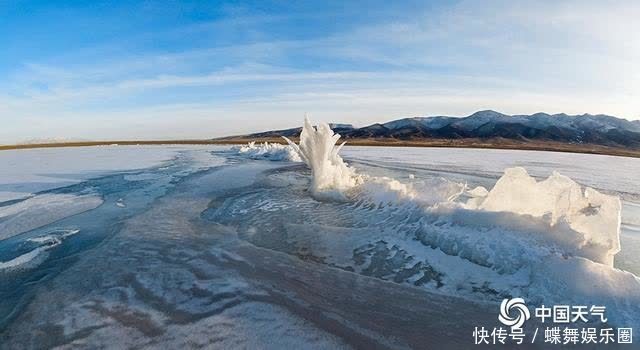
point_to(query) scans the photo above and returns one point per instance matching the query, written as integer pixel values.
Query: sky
(95, 70)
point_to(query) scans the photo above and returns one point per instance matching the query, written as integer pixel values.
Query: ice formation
(269, 151)
(33, 257)
(423, 192)
(549, 241)
(319, 151)
(586, 221)
(38, 254)
(517, 223)
(42, 210)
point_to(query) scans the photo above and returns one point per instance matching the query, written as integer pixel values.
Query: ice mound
(548, 241)
(557, 210)
(585, 219)
(333, 178)
(424, 192)
(330, 174)
(269, 151)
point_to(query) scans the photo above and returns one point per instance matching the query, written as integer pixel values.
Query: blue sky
(182, 69)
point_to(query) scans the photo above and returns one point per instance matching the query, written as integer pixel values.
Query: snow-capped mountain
(578, 129)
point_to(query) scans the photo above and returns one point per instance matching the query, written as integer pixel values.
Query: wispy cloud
(518, 57)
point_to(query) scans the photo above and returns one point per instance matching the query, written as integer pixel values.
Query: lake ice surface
(174, 246)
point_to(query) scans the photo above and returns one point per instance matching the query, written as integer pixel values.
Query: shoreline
(440, 143)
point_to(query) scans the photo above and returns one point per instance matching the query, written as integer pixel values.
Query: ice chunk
(478, 192)
(561, 201)
(269, 151)
(319, 151)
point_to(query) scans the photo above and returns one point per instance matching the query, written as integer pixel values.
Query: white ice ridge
(318, 150)
(33, 257)
(584, 223)
(37, 255)
(585, 220)
(269, 151)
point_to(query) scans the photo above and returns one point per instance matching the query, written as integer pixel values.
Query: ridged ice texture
(397, 233)
(549, 241)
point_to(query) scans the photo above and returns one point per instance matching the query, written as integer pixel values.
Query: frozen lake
(205, 247)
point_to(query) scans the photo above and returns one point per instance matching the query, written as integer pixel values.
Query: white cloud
(516, 57)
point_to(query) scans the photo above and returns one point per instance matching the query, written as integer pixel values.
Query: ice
(142, 177)
(529, 260)
(317, 148)
(54, 237)
(33, 175)
(550, 241)
(269, 151)
(41, 210)
(9, 196)
(201, 157)
(583, 222)
(423, 192)
(523, 236)
(37, 255)
(608, 174)
(33, 257)
(333, 178)
(24, 172)
(227, 250)
(629, 257)
(152, 284)
(579, 281)
(593, 219)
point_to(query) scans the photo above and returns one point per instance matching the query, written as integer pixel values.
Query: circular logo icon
(513, 312)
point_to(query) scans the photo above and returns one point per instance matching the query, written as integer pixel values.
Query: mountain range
(585, 129)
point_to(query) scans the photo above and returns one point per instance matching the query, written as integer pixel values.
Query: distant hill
(341, 129)
(583, 129)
